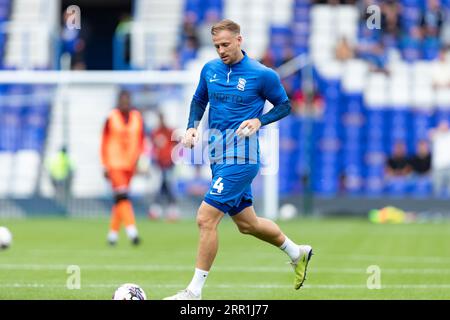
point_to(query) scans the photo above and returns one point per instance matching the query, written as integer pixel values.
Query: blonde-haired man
(236, 88)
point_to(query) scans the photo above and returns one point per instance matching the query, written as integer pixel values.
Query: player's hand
(190, 138)
(106, 174)
(248, 127)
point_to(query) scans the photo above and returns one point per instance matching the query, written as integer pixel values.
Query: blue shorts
(230, 190)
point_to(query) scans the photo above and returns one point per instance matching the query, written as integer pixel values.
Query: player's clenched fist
(248, 127)
(190, 138)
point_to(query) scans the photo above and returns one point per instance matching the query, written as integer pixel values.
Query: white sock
(131, 231)
(290, 248)
(198, 281)
(113, 236)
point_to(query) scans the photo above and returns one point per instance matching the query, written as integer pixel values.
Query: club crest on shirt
(241, 84)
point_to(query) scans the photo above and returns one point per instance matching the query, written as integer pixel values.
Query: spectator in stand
(69, 36)
(204, 29)
(390, 23)
(190, 31)
(432, 19)
(441, 71)
(411, 44)
(375, 53)
(123, 30)
(397, 164)
(188, 51)
(344, 50)
(189, 42)
(440, 139)
(268, 60)
(78, 59)
(307, 104)
(371, 48)
(73, 44)
(421, 162)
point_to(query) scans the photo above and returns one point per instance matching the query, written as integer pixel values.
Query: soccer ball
(129, 291)
(5, 238)
(287, 212)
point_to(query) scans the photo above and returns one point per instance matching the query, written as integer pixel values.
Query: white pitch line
(237, 286)
(421, 259)
(241, 269)
(332, 256)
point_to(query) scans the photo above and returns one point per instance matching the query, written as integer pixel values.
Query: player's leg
(249, 223)
(171, 212)
(208, 218)
(128, 213)
(115, 221)
(264, 229)
(114, 226)
(121, 181)
(155, 210)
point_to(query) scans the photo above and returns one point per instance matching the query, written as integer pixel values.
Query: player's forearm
(276, 113)
(196, 113)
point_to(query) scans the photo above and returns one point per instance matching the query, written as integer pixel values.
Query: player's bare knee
(204, 222)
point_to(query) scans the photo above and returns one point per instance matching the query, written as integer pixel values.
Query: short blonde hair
(226, 24)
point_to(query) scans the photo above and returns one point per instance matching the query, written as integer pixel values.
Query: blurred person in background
(123, 29)
(268, 59)
(204, 34)
(421, 162)
(390, 23)
(73, 44)
(61, 170)
(310, 104)
(69, 36)
(189, 40)
(440, 73)
(432, 19)
(162, 146)
(397, 164)
(370, 48)
(440, 164)
(78, 57)
(121, 146)
(411, 43)
(344, 50)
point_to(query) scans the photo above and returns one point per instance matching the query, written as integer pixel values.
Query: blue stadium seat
(441, 115)
(374, 186)
(326, 185)
(397, 186)
(10, 129)
(411, 49)
(422, 186)
(430, 48)
(412, 3)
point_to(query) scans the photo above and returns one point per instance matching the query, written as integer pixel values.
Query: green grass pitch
(414, 260)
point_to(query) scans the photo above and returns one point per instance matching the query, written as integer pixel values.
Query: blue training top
(235, 93)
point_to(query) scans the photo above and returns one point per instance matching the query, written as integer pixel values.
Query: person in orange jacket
(121, 146)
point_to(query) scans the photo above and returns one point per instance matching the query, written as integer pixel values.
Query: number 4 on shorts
(218, 185)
